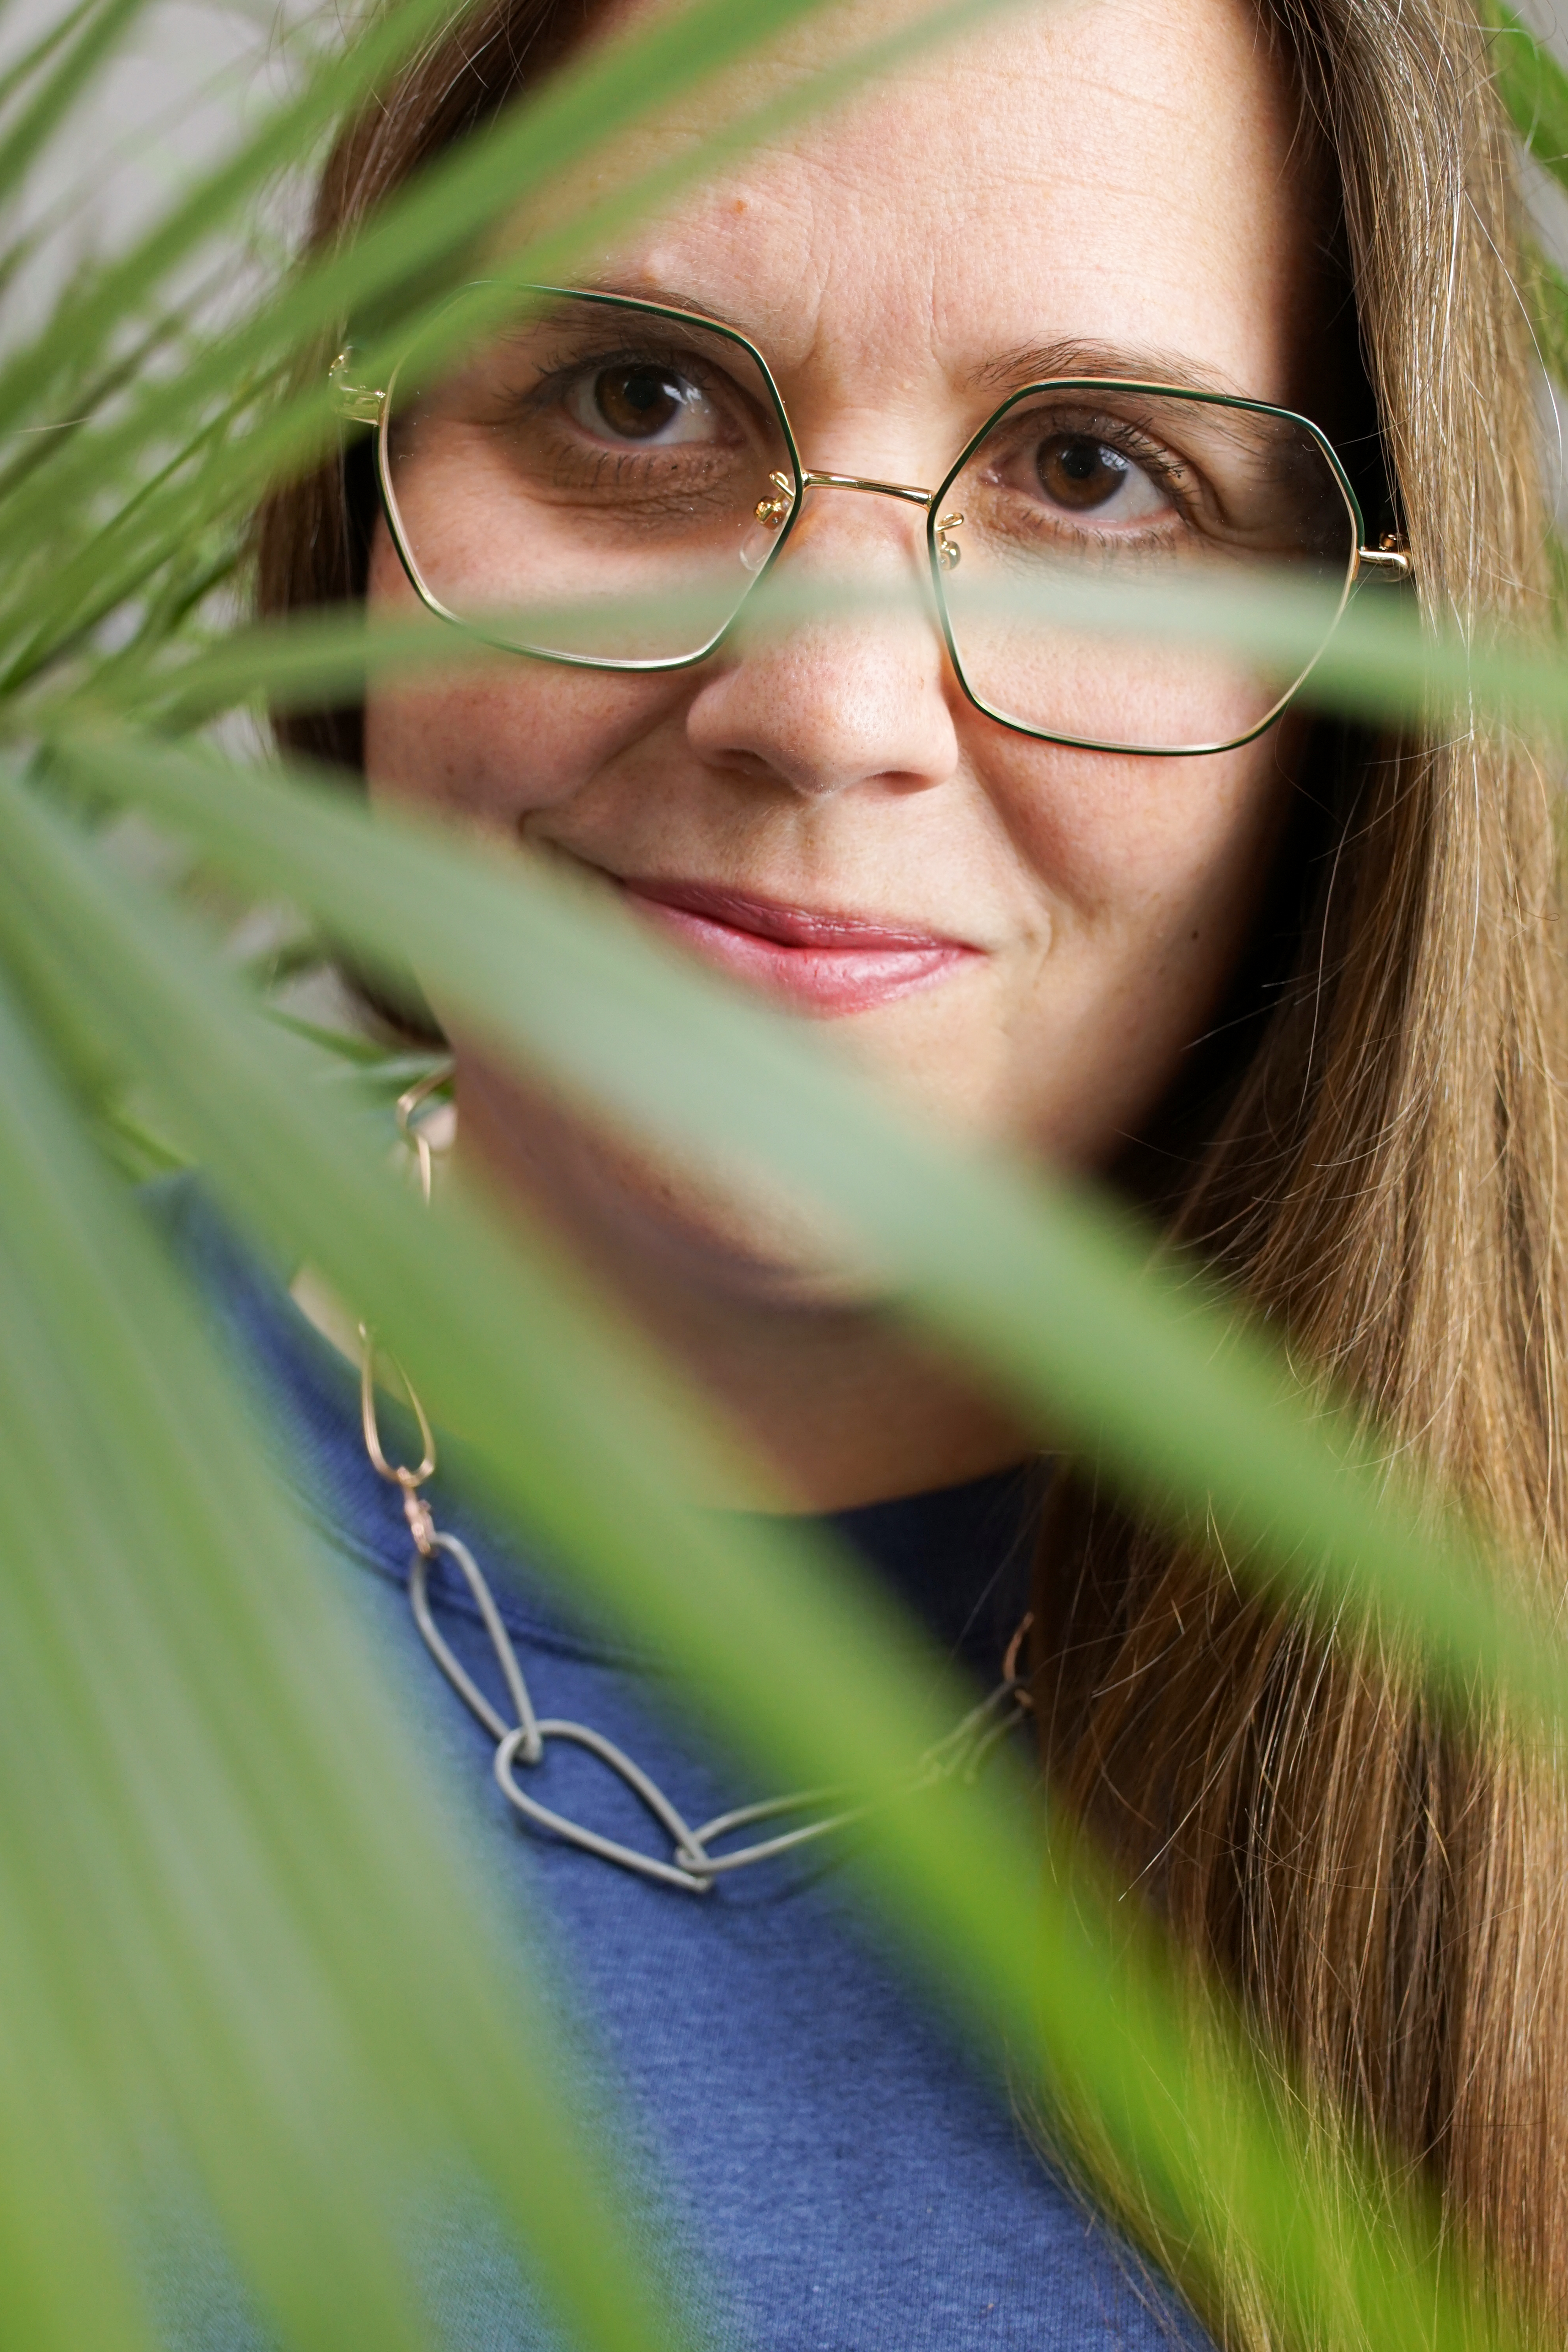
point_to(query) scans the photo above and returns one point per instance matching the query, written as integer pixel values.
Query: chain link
(521, 1743)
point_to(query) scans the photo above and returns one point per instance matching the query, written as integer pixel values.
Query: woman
(1296, 995)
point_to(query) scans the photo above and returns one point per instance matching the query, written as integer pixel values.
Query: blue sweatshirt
(836, 2170)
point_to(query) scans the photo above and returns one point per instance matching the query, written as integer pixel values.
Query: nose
(822, 702)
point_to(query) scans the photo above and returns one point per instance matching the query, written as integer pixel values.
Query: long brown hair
(1375, 1167)
(1386, 1890)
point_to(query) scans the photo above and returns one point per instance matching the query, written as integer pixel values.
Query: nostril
(732, 760)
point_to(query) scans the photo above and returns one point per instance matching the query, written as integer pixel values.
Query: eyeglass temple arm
(1389, 560)
(357, 404)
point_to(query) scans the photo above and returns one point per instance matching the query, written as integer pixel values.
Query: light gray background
(191, 77)
(194, 74)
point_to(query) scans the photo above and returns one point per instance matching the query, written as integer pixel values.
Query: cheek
(1155, 871)
(1113, 839)
(491, 743)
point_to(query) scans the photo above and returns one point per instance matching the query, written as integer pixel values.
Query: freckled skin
(1116, 172)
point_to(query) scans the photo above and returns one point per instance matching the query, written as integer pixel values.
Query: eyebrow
(1067, 356)
(666, 297)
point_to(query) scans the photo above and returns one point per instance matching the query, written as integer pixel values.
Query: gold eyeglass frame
(360, 404)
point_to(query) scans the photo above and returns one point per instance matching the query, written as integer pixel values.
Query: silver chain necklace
(692, 1865)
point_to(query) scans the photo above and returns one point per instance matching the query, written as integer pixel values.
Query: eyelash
(649, 478)
(1174, 476)
(554, 382)
(1170, 472)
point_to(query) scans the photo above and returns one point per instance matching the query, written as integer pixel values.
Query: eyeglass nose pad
(769, 516)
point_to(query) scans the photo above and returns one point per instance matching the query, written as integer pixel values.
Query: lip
(822, 961)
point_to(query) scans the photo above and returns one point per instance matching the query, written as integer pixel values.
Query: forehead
(1116, 172)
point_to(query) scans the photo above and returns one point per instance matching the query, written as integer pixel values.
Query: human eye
(636, 426)
(617, 424)
(644, 418)
(1080, 474)
(1084, 477)
(644, 403)
(590, 405)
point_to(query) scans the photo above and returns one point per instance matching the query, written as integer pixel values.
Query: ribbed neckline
(958, 1557)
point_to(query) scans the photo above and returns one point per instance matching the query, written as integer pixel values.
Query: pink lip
(824, 963)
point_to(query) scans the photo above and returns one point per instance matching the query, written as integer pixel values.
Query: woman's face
(1024, 937)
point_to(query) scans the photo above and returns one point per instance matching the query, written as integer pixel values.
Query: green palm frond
(204, 1884)
(584, 1436)
(1050, 1292)
(1532, 85)
(214, 1834)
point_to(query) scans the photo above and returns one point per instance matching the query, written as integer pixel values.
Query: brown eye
(638, 402)
(1081, 473)
(644, 402)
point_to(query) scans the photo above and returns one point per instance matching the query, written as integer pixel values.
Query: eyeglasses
(605, 482)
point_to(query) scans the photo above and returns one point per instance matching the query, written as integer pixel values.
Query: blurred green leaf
(50, 41)
(589, 1439)
(96, 30)
(1037, 1283)
(1385, 661)
(94, 311)
(169, 1623)
(436, 219)
(1546, 295)
(210, 1782)
(1531, 85)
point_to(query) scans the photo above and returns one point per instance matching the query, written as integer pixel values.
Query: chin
(732, 1238)
(647, 1218)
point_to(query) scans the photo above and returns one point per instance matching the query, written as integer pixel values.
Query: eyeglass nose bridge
(772, 512)
(863, 482)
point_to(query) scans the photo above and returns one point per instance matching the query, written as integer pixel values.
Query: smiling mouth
(821, 962)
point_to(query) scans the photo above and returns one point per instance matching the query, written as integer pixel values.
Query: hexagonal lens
(1104, 526)
(585, 482)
